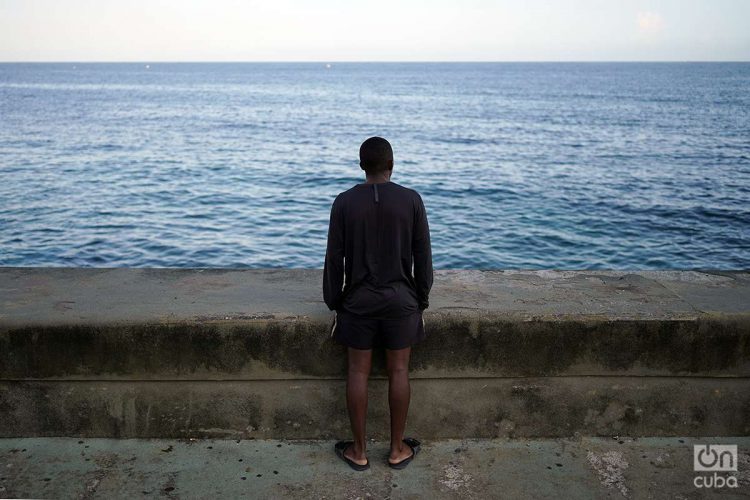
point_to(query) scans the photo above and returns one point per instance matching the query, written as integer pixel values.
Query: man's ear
(361, 166)
(390, 164)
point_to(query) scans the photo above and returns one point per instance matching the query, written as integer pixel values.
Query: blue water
(570, 166)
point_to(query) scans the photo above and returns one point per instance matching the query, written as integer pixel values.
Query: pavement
(581, 468)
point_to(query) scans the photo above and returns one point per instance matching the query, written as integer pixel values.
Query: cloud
(650, 22)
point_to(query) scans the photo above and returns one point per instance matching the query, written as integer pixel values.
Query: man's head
(375, 155)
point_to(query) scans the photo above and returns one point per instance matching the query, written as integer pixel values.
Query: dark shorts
(362, 332)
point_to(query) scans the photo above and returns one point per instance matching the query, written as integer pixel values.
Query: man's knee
(359, 368)
(397, 371)
(397, 362)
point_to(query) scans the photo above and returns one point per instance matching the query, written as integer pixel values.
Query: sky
(388, 30)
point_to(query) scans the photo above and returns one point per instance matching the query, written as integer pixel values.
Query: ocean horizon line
(624, 61)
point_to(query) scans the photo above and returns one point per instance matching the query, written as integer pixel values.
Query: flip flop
(339, 449)
(415, 446)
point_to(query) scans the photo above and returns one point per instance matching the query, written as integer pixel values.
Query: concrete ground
(579, 468)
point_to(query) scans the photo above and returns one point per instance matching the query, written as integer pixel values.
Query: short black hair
(375, 155)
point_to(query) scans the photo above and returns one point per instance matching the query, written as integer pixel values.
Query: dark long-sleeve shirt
(378, 251)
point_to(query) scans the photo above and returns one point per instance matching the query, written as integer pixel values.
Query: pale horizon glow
(389, 30)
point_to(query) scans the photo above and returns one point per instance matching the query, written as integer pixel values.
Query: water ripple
(571, 166)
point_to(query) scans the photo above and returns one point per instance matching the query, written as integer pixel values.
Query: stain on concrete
(610, 468)
(455, 478)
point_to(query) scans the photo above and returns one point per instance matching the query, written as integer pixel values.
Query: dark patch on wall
(304, 348)
(632, 418)
(289, 423)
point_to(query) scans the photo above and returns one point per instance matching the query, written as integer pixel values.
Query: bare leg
(360, 362)
(399, 393)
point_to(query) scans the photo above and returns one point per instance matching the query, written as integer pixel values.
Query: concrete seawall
(246, 353)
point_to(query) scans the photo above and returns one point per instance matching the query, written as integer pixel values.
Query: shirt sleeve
(423, 274)
(333, 270)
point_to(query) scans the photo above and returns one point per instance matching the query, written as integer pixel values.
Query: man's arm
(333, 271)
(422, 255)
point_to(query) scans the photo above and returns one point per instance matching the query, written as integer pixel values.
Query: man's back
(377, 232)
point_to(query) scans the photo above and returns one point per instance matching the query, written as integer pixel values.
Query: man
(378, 230)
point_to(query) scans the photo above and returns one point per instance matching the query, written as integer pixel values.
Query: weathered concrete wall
(457, 346)
(217, 352)
(440, 408)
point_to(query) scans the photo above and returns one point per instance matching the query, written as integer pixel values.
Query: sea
(520, 165)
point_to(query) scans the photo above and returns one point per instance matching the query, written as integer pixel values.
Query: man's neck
(377, 179)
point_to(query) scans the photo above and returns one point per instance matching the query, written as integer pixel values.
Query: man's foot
(356, 462)
(360, 459)
(400, 454)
